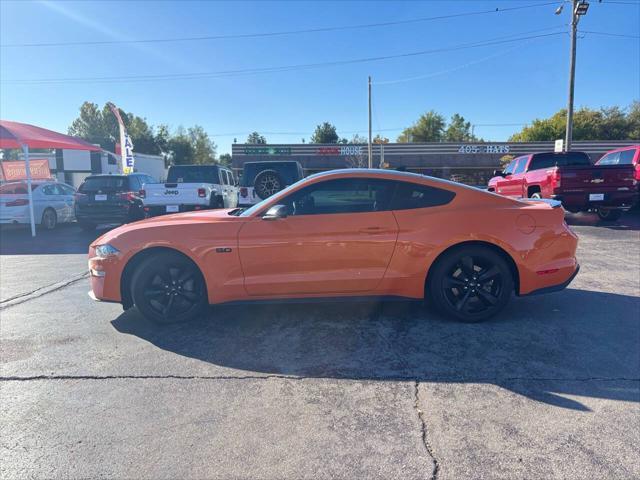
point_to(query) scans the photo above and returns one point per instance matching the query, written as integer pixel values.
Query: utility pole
(572, 76)
(578, 8)
(369, 146)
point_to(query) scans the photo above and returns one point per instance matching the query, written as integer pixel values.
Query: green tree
(225, 159)
(458, 130)
(429, 128)
(607, 123)
(204, 149)
(256, 139)
(358, 139)
(179, 148)
(101, 127)
(325, 133)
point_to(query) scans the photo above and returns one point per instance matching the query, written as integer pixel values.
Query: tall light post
(579, 8)
(369, 149)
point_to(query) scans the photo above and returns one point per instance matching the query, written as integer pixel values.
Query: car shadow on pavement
(547, 348)
(629, 221)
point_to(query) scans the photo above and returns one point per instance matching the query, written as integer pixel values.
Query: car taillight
(636, 173)
(202, 192)
(555, 178)
(18, 203)
(244, 192)
(78, 196)
(142, 193)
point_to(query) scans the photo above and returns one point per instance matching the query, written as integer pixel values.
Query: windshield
(94, 184)
(260, 205)
(190, 174)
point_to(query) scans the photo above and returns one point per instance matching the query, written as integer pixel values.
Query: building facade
(73, 166)
(470, 163)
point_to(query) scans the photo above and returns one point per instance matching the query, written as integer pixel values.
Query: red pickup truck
(570, 177)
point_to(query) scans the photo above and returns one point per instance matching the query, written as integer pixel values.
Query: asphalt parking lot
(549, 389)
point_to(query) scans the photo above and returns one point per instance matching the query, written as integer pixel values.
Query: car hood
(187, 219)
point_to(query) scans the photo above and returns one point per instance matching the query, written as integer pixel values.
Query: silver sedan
(53, 203)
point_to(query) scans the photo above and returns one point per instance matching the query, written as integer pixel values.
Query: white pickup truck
(191, 187)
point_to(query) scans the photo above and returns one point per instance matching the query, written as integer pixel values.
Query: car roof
(389, 174)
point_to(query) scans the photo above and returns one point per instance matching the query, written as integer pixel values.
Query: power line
(275, 34)
(253, 71)
(622, 35)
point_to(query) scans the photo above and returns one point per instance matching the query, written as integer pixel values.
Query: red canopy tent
(25, 136)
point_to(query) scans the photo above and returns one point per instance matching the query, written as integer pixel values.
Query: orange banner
(18, 171)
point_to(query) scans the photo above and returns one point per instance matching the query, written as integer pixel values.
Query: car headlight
(106, 250)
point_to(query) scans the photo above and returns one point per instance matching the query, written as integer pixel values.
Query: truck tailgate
(174, 194)
(604, 178)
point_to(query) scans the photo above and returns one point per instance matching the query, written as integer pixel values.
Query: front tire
(536, 195)
(169, 288)
(470, 284)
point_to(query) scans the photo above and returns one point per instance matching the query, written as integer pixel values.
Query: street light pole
(572, 75)
(369, 146)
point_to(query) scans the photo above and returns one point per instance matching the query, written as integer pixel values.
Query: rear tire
(49, 219)
(169, 288)
(536, 195)
(609, 214)
(470, 283)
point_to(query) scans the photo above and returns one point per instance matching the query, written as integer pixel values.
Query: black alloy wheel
(169, 288)
(471, 283)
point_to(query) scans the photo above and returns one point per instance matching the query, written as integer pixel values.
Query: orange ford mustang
(344, 233)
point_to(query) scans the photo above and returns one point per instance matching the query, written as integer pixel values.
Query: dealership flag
(126, 146)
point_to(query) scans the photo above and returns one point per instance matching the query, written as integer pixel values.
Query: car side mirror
(276, 212)
(498, 173)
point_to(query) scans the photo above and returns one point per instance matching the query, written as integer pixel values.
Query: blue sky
(497, 84)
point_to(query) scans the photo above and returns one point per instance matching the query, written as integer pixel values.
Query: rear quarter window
(550, 159)
(412, 195)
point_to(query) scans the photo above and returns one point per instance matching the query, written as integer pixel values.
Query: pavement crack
(40, 291)
(423, 427)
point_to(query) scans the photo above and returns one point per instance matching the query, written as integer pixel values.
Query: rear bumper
(554, 288)
(155, 210)
(616, 199)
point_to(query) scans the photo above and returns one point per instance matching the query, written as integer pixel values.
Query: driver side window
(510, 167)
(345, 195)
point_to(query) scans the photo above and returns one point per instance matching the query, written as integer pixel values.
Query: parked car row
(609, 187)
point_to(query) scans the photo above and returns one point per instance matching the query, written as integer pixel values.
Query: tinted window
(346, 195)
(288, 171)
(224, 176)
(509, 169)
(522, 163)
(624, 157)
(107, 183)
(49, 190)
(135, 183)
(546, 160)
(66, 190)
(411, 195)
(193, 174)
